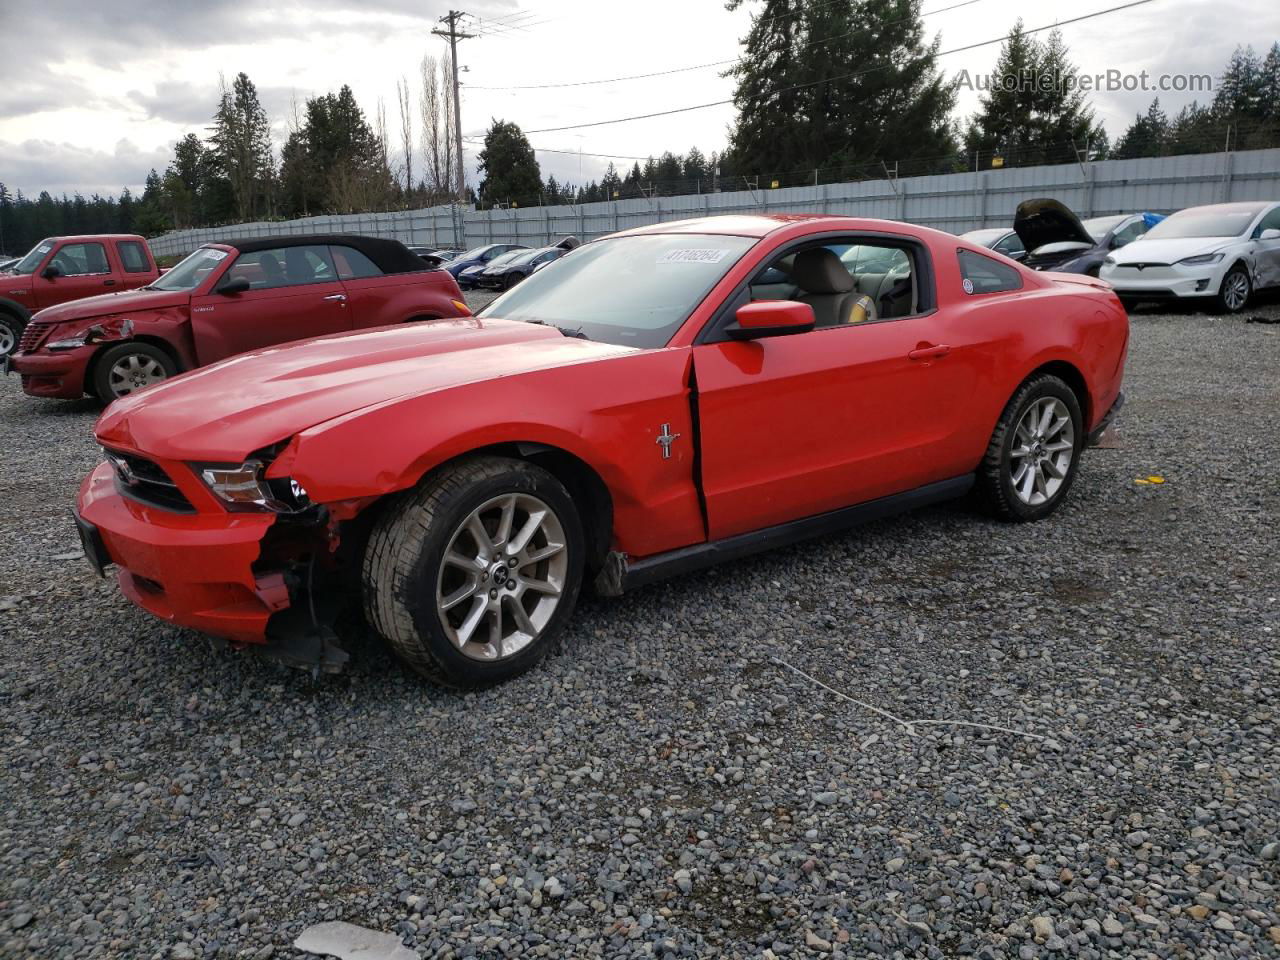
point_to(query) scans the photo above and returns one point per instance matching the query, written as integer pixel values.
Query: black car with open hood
(1056, 239)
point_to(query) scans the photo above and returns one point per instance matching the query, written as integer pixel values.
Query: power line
(845, 76)
(713, 63)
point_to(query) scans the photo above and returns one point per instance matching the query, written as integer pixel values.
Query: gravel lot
(663, 786)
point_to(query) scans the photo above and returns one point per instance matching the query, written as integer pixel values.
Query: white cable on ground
(909, 725)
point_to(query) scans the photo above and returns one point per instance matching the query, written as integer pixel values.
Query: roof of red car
(760, 225)
(391, 256)
(79, 237)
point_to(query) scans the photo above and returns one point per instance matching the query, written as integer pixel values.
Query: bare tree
(435, 106)
(406, 132)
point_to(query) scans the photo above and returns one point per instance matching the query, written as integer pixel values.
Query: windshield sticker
(44, 248)
(215, 255)
(693, 256)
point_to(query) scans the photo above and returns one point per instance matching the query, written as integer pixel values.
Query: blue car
(479, 256)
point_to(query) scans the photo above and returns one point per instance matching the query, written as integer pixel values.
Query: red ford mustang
(655, 401)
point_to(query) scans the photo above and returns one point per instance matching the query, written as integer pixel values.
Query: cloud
(34, 165)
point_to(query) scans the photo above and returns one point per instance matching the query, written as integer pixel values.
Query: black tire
(106, 387)
(403, 561)
(1237, 275)
(995, 479)
(10, 333)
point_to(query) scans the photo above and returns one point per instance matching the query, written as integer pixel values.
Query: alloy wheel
(133, 372)
(1043, 445)
(1235, 290)
(502, 577)
(7, 340)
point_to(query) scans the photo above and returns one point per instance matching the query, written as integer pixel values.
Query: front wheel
(1034, 452)
(10, 334)
(471, 576)
(1234, 293)
(130, 367)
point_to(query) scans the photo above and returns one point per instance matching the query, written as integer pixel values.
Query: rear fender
(608, 413)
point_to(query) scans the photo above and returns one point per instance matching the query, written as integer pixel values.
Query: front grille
(145, 481)
(33, 336)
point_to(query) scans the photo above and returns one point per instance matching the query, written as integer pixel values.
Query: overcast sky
(95, 95)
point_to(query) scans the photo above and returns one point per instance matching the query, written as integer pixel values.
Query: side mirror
(771, 318)
(232, 287)
(51, 272)
(1271, 233)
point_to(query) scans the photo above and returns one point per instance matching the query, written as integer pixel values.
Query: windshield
(32, 260)
(1099, 227)
(190, 273)
(474, 252)
(505, 258)
(524, 256)
(1205, 222)
(635, 291)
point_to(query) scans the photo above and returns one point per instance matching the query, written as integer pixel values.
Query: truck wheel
(471, 576)
(1034, 452)
(10, 333)
(1234, 293)
(128, 367)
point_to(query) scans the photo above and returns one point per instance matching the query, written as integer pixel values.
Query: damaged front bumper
(58, 376)
(204, 571)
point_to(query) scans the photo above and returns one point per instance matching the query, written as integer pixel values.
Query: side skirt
(620, 574)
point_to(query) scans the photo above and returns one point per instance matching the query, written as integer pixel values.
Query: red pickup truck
(225, 299)
(60, 269)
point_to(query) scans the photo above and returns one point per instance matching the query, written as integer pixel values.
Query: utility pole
(453, 36)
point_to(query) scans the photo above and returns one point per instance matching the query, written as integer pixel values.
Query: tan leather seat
(829, 289)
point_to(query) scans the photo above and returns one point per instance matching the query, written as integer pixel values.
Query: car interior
(844, 283)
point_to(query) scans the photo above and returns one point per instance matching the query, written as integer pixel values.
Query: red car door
(82, 270)
(294, 293)
(798, 425)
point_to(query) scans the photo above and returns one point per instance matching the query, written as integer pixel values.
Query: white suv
(1224, 251)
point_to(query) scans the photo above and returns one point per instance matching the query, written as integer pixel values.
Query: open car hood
(223, 412)
(1043, 221)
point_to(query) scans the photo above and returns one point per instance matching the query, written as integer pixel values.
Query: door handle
(341, 297)
(108, 283)
(929, 353)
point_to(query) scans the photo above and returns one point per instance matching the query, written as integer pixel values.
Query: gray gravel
(662, 786)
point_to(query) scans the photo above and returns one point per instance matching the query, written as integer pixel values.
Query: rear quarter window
(352, 264)
(134, 257)
(981, 274)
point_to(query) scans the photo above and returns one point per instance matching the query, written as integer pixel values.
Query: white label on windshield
(44, 248)
(215, 255)
(693, 256)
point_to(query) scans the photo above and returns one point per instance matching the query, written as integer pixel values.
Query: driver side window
(284, 267)
(845, 282)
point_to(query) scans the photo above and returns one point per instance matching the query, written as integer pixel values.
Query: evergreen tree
(695, 168)
(241, 144)
(1147, 136)
(1239, 89)
(509, 171)
(841, 83)
(1034, 112)
(1268, 85)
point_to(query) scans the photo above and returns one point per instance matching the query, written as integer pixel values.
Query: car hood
(1043, 221)
(224, 412)
(110, 303)
(1148, 250)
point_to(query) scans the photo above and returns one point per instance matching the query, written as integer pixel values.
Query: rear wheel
(1034, 452)
(471, 576)
(1234, 293)
(130, 367)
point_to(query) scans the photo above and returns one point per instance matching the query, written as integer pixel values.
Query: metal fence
(955, 202)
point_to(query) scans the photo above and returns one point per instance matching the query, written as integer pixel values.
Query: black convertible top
(390, 256)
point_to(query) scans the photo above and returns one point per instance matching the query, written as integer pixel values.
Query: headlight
(245, 487)
(70, 344)
(1202, 260)
(1111, 261)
